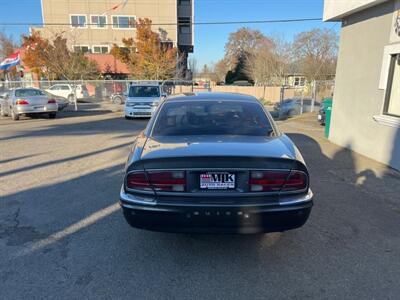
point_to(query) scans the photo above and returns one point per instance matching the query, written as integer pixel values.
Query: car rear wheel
(117, 100)
(14, 116)
(52, 115)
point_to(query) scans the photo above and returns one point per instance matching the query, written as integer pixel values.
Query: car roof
(26, 88)
(145, 83)
(212, 96)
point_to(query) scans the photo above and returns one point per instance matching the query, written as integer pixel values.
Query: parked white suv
(143, 99)
(67, 91)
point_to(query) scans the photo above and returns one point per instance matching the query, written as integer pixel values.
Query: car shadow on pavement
(61, 161)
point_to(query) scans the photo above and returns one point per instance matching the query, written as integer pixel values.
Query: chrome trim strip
(151, 202)
(134, 199)
(290, 200)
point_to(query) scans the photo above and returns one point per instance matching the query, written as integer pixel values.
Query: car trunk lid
(36, 100)
(216, 146)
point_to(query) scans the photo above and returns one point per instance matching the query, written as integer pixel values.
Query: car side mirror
(164, 95)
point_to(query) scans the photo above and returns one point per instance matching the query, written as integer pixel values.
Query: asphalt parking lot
(62, 234)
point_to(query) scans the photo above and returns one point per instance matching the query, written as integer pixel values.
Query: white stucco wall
(358, 96)
(336, 9)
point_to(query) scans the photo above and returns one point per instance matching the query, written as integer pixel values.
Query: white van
(143, 99)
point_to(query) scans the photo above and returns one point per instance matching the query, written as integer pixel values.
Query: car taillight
(296, 181)
(138, 181)
(267, 181)
(168, 181)
(276, 181)
(22, 102)
(174, 181)
(52, 101)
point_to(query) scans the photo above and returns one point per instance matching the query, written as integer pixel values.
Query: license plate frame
(217, 181)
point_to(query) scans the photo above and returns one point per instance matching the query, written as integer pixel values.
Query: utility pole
(314, 95)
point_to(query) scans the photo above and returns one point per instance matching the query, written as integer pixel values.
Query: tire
(117, 100)
(52, 115)
(292, 113)
(128, 118)
(14, 116)
(71, 99)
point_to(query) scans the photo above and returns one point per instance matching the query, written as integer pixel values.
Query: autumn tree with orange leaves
(53, 59)
(147, 56)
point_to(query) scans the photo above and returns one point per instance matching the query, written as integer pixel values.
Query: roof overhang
(335, 10)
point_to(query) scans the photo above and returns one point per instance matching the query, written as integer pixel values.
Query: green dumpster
(328, 115)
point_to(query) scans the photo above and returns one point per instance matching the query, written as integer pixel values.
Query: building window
(299, 81)
(82, 49)
(124, 22)
(100, 49)
(78, 21)
(98, 21)
(184, 25)
(392, 99)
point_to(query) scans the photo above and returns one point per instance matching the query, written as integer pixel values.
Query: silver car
(28, 101)
(216, 163)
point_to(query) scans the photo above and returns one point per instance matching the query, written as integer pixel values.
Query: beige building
(95, 25)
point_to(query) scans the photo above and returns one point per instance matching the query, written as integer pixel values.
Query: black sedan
(215, 163)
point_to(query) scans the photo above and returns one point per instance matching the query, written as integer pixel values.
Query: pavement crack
(16, 234)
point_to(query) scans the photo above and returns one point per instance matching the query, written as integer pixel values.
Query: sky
(209, 39)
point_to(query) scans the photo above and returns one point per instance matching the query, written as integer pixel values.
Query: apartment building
(93, 26)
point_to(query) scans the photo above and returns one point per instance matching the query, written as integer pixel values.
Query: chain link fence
(282, 101)
(99, 90)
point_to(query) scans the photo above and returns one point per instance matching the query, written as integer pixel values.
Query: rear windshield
(212, 118)
(144, 91)
(29, 92)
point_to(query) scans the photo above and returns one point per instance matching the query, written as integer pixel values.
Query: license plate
(38, 107)
(217, 181)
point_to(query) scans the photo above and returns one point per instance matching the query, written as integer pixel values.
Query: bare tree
(242, 43)
(206, 72)
(220, 69)
(240, 50)
(7, 45)
(193, 66)
(315, 53)
(267, 66)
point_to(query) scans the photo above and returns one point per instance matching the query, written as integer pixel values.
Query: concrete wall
(357, 96)
(334, 9)
(58, 11)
